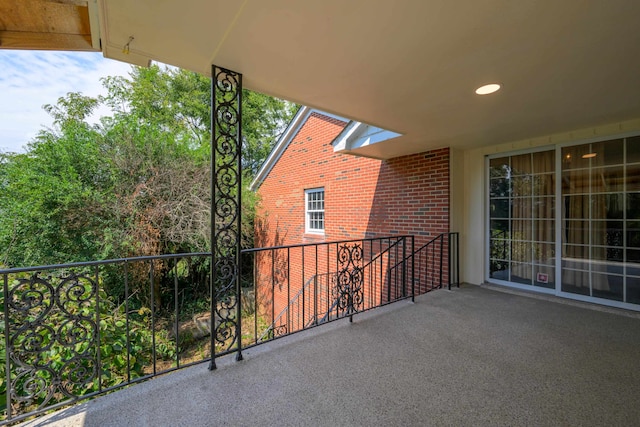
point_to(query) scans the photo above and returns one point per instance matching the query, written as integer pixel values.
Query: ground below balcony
(470, 356)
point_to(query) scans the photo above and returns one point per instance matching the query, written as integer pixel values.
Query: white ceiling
(407, 66)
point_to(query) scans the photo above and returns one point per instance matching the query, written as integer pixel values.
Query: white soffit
(357, 136)
(410, 66)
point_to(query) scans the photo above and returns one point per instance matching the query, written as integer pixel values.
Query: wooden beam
(45, 41)
(83, 3)
(42, 16)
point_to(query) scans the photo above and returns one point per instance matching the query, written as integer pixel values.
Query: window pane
(607, 153)
(633, 149)
(544, 207)
(543, 185)
(499, 269)
(544, 253)
(576, 232)
(633, 256)
(633, 205)
(608, 267)
(576, 282)
(544, 231)
(522, 185)
(544, 161)
(632, 177)
(521, 229)
(607, 206)
(633, 234)
(575, 182)
(607, 286)
(521, 273)
(500, 249)
(521, 189)
(521, 251)
(607, 233)
(522, 208)
(499, 208)
(572, 157)
(500, 228)
(633, 268)
(499, 167)
(633, 290)
(521, 165)
(607, 180)
(575, 257)
(499, 187)
(315, 210)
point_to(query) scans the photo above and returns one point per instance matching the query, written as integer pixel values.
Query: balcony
(469, 356)
(75, 331)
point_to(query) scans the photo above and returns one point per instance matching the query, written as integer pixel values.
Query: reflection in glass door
(522, 219)
(601, 220)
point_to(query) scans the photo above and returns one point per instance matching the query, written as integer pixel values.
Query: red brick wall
(364, 198)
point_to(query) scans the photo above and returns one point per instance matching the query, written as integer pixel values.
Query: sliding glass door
(593, 190)
(601, 219)
(522, 224)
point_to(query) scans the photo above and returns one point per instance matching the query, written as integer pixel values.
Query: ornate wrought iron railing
(302, 286)
(77, 330)
(320, 299)
(74, 331)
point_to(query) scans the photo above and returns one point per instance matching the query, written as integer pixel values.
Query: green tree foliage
(47, 191)
(136, 183)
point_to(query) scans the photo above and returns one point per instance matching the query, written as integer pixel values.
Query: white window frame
(309, 212)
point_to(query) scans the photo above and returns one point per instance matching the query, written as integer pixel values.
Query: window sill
(313, 236)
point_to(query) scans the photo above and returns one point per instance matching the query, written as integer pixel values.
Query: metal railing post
(315, 292)
(449, 252)
(303, 292)
(126, 318)
(413, 270)
(98, 356)
(404, 267)
(175, 303)
(7, 355)
(288, 289)
(441, 254)
(153, 316)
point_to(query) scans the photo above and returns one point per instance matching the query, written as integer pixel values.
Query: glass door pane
(522, 219)
(593, 219)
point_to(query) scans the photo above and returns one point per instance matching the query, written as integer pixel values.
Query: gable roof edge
(283, 142)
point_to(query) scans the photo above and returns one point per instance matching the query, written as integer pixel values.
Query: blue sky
(31, 79)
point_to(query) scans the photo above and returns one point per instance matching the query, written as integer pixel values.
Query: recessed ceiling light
(589, 155)
(487, 89)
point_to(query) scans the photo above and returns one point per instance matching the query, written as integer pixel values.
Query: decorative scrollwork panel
(226, 184)
(348, 288)
(52, 337)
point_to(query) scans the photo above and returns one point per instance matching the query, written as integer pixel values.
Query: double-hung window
(314, 210)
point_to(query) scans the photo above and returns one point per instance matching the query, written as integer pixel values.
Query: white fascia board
(283, 142)
(94, 24)
(341, 143)
(358, 135)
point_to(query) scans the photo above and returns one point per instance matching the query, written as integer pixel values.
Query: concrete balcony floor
(470, 356)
